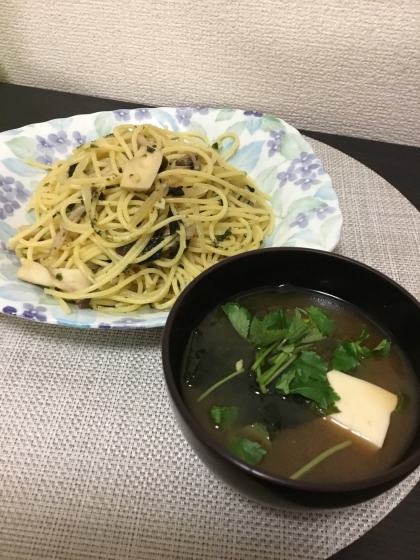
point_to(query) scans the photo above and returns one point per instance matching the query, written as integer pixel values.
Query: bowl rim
(397, 472)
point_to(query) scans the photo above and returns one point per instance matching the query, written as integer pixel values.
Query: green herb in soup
(301, 385)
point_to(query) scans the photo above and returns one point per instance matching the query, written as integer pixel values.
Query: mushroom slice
(61, 234)
(188, 161)
(66, 279)
(190, 230)
(123, 249)
(82, 303)
(35, 273)
(140, 172)
(69, 279)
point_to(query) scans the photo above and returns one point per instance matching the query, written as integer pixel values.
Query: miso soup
(262, 392)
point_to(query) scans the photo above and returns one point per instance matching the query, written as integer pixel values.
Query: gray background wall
(341, 66)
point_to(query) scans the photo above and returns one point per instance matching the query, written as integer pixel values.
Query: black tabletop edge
(397, 163)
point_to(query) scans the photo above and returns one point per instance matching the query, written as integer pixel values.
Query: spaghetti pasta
(131, 218)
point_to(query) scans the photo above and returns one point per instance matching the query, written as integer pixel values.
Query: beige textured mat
(92, 464)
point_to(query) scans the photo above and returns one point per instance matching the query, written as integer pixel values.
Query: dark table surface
(397, 536)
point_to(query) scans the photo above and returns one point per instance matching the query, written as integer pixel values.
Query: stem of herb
(288, 350)
(319, 459)
(280, 370)
(282, 343)
(261, 355)
(279, 360)
(299, 334)
(308, 346)
(213, 387)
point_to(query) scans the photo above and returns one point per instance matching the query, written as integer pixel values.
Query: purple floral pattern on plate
(46, 148)
(43, 144)
(253, 113)
(12, 195)
(304, 159)
(302, 171)
(60, 141)
(122, 323)
(142, 114)
(36, 313)
(32, 312)
(302, 219)
(288, 175)
(79, 138)
(323, 212)
(183, 115)
(201, 110)
(47, 159)
(275, 141)
(8, 253)
(307, 182)
(122, 115)
(9, 310)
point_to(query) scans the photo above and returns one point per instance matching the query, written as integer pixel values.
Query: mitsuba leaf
(321, 320)
(288, 349)
(262, 430)
(310, 365)
(363, 335)
(313, 335)
(298, 327)
(223, 415)
(256, 432)
(263, 335)
(364, 352)
(249, 451)
(275, 320)
(343, 358)
(402, 402)
(239, 317)
(308, 377)
(320, 392)
(383, 348)
(283, 382)
(331, 409)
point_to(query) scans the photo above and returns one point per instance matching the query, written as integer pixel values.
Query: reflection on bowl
(370, 291)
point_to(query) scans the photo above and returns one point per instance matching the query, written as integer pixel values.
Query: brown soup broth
(297, 433)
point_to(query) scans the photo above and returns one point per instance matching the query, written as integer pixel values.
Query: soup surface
(290, 430)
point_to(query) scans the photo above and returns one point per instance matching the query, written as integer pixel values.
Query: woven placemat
(93, 465)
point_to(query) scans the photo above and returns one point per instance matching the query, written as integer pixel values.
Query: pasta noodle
(131, 218)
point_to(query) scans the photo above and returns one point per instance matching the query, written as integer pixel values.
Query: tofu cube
(365, 408)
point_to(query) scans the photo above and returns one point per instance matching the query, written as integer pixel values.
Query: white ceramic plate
(272, 152)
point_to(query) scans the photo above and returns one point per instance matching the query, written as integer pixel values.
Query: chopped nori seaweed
(176, 191)
(153, 241)
(223, 236)
(164, 164)
(173, 250)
